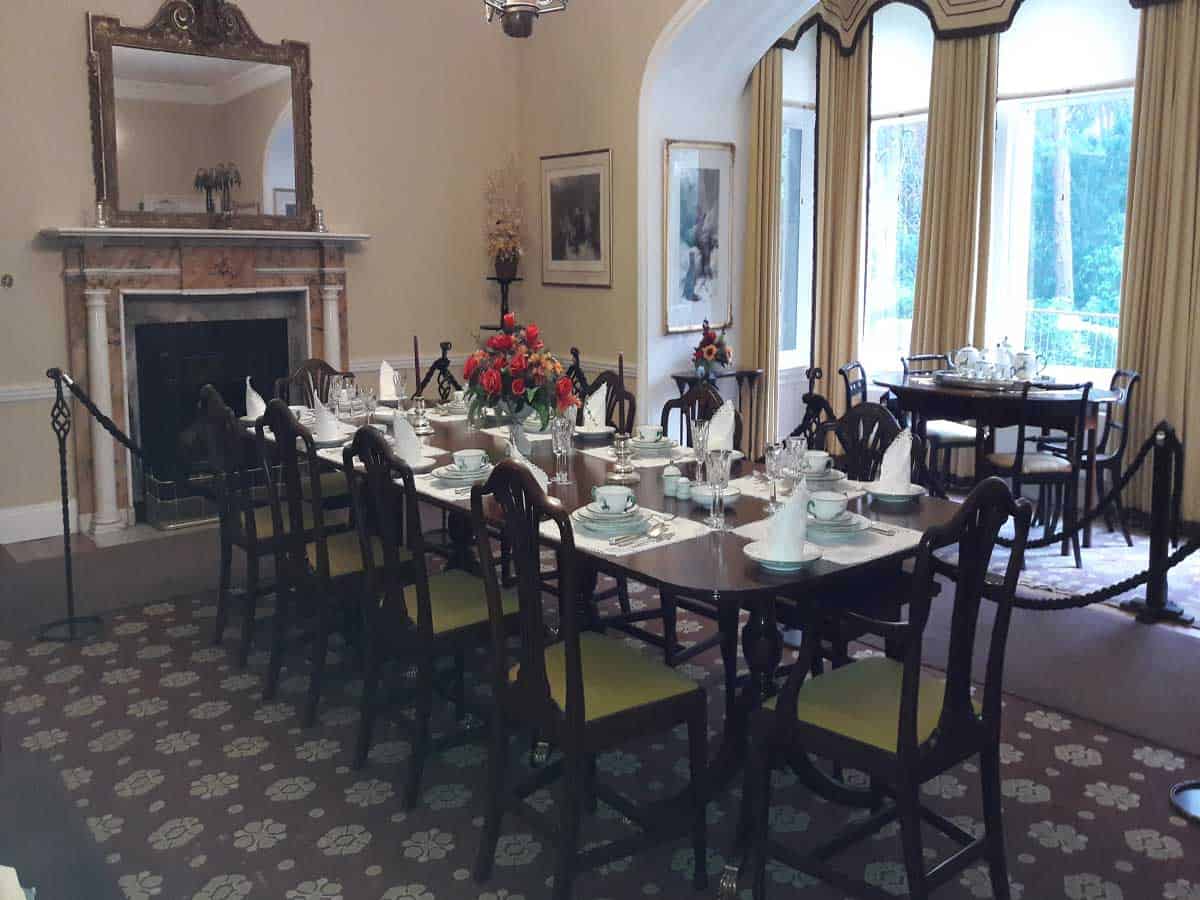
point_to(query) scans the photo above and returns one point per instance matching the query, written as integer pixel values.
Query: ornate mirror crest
(217, 30)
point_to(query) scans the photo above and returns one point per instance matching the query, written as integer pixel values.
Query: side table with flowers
(514, 375)
(712, 351)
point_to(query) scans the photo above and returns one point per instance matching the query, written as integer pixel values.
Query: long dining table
(1053, 409)
(711, 566)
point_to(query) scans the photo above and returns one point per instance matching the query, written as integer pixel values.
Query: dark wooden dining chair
(1057, 471)
(318, 569)
(944, 436)
(817, 411)
(898, 723)
(297, 387)
(698, 404)
(579, 379)
(444, 382)
(583, 692)
(854, 380)
(409, 615)
(1111, 446)
(242, 524)
(620, 409)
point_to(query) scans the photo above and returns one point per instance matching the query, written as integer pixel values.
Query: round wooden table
(921, 394)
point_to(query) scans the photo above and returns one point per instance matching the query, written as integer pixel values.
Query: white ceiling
(186, 78)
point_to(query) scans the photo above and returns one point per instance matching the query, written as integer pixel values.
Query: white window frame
(804, 117)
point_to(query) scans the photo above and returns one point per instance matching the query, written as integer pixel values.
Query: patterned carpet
(193, 788)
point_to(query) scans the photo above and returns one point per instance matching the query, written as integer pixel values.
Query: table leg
(1089, 484)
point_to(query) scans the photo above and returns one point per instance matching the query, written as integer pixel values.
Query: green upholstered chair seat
(345, 554)
(1033, 463)
(457, 600)
(944, 431)
(264, 525)
(333, 484)
(861, 701)
(615, 677)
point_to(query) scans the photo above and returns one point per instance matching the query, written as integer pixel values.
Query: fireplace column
(105, 516)
(333, 329)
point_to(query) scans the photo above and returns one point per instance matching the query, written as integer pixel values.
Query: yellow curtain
(842, 132)
(1160, 325)
(951, 289)
(760, 287)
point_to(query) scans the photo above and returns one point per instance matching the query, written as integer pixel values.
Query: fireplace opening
(174, 361)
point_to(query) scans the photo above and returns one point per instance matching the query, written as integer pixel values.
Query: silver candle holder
(623, 471)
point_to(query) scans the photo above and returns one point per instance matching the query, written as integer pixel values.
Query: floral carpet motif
(195, 788)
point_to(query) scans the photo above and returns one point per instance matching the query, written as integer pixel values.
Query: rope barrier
(108, 424)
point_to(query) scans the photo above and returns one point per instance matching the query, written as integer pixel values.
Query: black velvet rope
(108, 424)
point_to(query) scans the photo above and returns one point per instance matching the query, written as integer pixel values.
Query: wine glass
(718, 462)
(370, 402)
(776, 457)
(400, 383)
(700, 446)
(562, 429)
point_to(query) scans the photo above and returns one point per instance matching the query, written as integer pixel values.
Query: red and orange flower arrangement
(712, 351)
(514, 374)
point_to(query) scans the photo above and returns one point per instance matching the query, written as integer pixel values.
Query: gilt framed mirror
(197, 123)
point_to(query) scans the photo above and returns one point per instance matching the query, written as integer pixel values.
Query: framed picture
(697, 235)
(285, 201)
(577, 219)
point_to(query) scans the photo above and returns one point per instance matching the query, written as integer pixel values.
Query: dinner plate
(451, 472)
(893, 495)
(590, 433)
(856, 524)
(636, 525)
(594, 509)
(758, 551)
(828, 477)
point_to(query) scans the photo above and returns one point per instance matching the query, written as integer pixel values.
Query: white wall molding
(38, 520)
(21, 393)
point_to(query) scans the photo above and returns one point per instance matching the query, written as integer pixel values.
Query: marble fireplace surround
(105, 270)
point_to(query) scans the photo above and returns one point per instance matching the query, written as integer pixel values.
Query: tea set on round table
(1004, 366)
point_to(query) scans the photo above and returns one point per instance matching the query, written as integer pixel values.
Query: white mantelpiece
(224, 235)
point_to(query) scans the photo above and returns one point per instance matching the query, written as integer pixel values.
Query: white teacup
(826, 505)
(614, 497)
(470, 460)
(817, 461)
(458, 397)
(649, 433)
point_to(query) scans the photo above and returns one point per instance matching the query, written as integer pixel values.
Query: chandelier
(517, 16)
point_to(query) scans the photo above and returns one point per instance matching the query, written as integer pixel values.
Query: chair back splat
(973, 531)
(620, 409)
(698, 404)
(229, 457)
(523, 505)
(576, 374)
(385, 508)
(298, 386)
(1123, 383)
(854, 378)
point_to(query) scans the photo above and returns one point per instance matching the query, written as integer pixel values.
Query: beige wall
(411, 104)
(249, 120)
(580, 80)
(161, 145)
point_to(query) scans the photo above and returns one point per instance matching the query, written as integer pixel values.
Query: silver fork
(645, 540)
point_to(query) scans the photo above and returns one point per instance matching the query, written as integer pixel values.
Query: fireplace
(113, 277)
(174, 345)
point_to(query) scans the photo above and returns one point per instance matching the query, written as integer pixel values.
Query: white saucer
(854, 525)
(451, 472)
(757, 550)
(892, 495)
(595, 510)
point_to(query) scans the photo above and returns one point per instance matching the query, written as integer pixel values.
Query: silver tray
(953, 379)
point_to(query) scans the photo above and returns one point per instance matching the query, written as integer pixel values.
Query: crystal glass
(792, 464)
(370, 403)
(562, 430)
(700, 446)
(776, 457)
(400, 383)
(717, 466)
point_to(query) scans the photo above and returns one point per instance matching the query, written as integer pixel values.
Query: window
(797, 213)
(1064, 121)
(901, 64)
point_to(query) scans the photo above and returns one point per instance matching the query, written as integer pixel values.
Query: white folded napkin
(787, 530)
(896, 468)
(594, 409)
(325, 426)
(720, 428)
(256, 406)
(407, 445)
(537, 471)
(387, 381)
